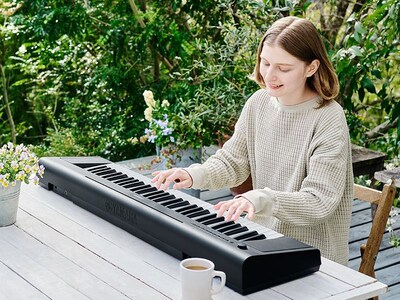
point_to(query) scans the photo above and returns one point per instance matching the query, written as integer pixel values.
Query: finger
(218, 205)
(222, 208)
(250, 214)
(231, 211)
(155, 173)
(239, 211)
(181, 184)
(166, 183)
(160, 178)
(170, 179)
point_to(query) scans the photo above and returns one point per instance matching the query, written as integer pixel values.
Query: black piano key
(213, 221)
(186, 208)
(166, 197)
(229, 227)
(117, 177)
(105, 172)
(158, 197)
(205, 218)
(131, 183)
(112, 174)
(127, 181)
(155, 193)
(123, 180)
(178, 204)
(168, 202)
(146, 190)
(189, 211)
(96, 168)
(256, 237)
(237, 230)
(245, 235)
(198, 213)
(139, 187)
(192, 210)
(223, 224)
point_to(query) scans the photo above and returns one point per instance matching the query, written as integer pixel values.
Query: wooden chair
(384, 201)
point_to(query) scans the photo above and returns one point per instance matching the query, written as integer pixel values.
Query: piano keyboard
(192, 208)
(179, 224)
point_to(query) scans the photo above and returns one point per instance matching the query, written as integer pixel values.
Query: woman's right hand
(178, 176)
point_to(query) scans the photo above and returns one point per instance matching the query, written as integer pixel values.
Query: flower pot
(9, 197)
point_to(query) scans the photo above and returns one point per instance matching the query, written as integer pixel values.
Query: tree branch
(7, 105)
(136, 13)
(381, 129)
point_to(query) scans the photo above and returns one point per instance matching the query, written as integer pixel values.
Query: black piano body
(173, 224)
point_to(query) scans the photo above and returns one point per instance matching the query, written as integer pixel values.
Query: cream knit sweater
(299, 158)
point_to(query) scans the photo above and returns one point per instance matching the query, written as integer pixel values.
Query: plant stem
(7, 105)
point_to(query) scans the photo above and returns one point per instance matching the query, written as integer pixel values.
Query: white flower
(134, 140)
(149, 98)
(22, 49)
(165, 103)
(18, 163)
(148, 114)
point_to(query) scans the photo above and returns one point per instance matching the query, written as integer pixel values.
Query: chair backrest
(384, 201)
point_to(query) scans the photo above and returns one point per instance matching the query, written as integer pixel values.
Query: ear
(312, 68)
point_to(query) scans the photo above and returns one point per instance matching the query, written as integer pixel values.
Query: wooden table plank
(30, 270)
(320, 286)
(122, 272)
(60, 237)
(15, 287)
(367, 291)
(141, 258)
(345, 274)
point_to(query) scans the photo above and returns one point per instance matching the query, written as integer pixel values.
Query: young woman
(293, 139)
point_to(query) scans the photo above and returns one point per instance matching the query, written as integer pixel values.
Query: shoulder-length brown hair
(300, 38)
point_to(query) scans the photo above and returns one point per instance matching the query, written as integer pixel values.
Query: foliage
(75, 71)
(18, 163)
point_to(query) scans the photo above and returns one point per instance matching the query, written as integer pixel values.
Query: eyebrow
(279, 64)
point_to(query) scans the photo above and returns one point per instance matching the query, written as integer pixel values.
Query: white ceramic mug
(196, 278)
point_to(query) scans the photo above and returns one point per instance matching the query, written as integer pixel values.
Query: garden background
(73, 72)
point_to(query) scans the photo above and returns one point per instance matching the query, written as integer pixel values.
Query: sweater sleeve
(321, 190)
(229, 166)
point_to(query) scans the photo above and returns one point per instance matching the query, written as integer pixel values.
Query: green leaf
(357, 37)
(20, 82)
(356, 50)
(395, 111)
(377, 74)
(361, 94)
(359, 28)
(368, 85)
(398, 131)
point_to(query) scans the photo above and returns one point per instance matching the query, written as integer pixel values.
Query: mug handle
(221, 285)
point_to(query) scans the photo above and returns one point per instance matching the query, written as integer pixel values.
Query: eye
(265, 63)
(284, 70)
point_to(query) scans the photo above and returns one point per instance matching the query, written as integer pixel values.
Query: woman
(293, 139)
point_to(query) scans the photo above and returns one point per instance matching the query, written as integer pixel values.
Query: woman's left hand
(234, 208)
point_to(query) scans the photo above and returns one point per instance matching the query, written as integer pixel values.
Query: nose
(269, 74)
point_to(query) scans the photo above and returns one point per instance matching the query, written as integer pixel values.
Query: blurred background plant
(73, 72)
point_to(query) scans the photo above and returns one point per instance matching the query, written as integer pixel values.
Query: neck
(303, 96)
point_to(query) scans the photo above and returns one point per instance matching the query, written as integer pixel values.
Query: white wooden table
(56, 250)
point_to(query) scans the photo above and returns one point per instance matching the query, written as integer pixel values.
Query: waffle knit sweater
(299, 158)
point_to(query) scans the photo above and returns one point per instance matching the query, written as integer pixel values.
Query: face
(285, 75)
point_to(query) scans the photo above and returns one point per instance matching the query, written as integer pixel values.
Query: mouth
(274, 86)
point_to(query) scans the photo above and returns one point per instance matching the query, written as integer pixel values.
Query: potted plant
(177, 130)
(17, 164)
